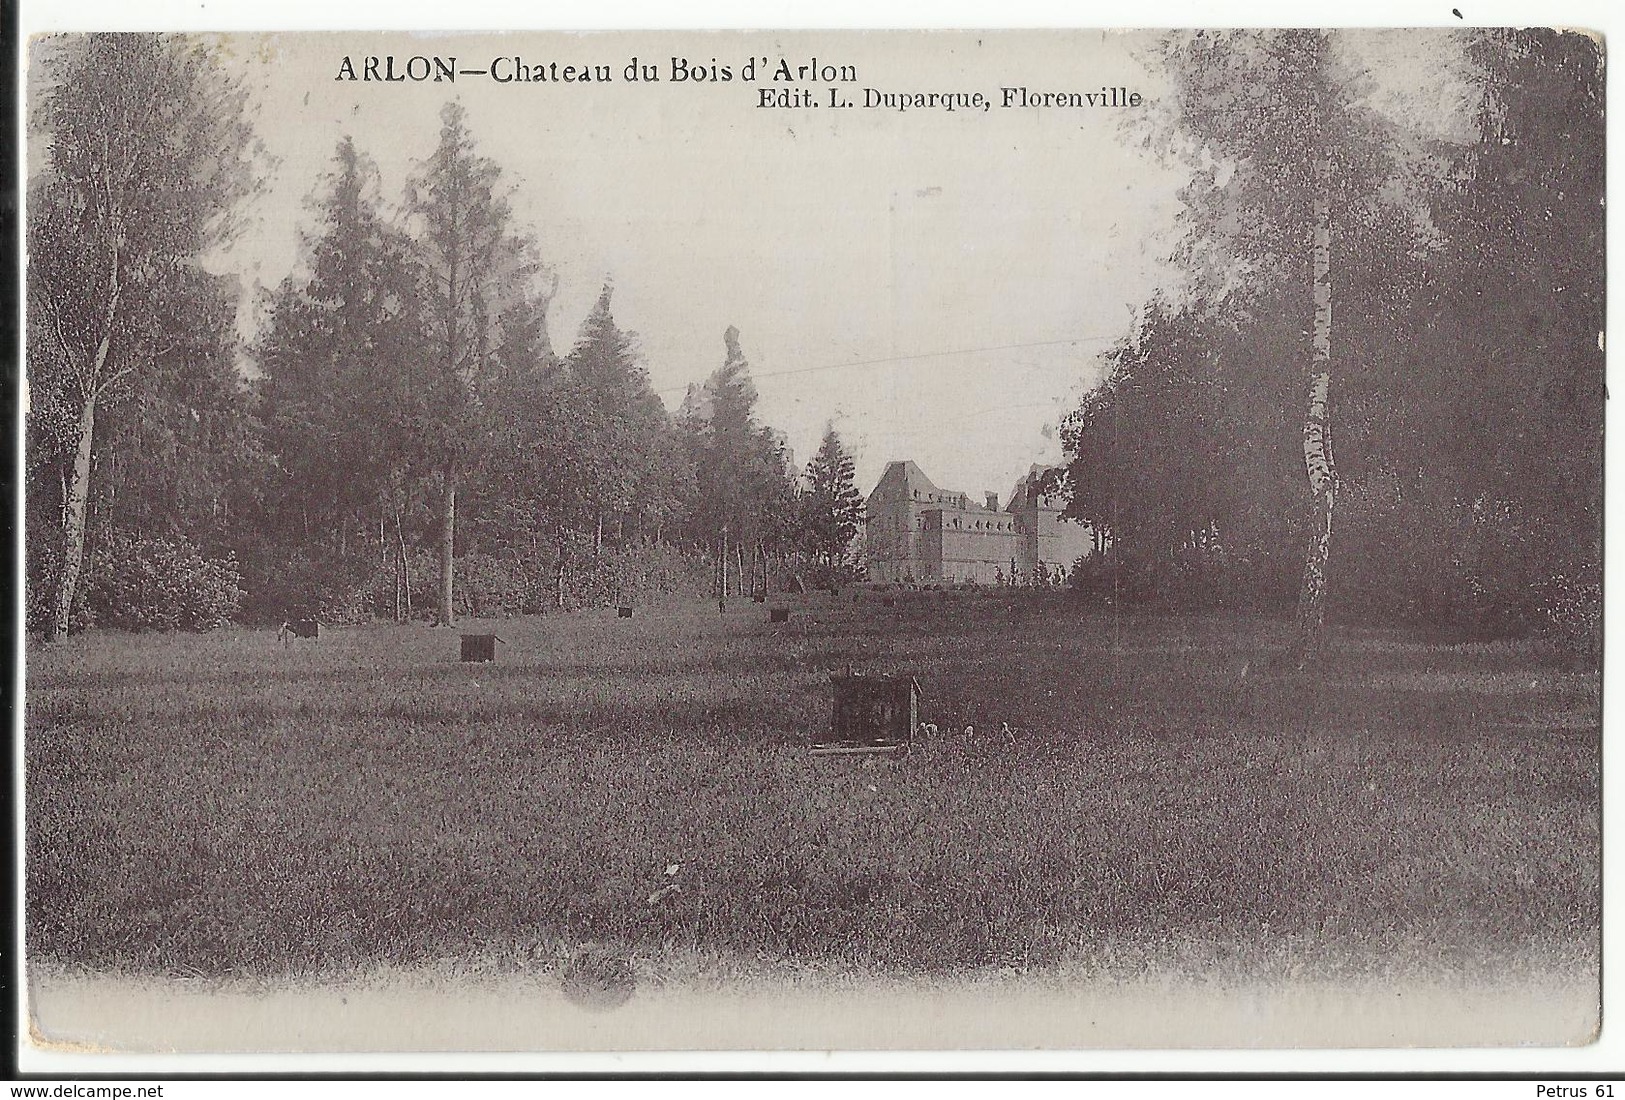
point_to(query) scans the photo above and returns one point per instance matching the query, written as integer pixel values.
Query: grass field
(219, 805)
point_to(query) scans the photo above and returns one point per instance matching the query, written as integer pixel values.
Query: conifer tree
(831, 506)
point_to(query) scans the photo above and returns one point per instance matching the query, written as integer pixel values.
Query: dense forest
(1431, 301)
(410, 442)
(407, 443)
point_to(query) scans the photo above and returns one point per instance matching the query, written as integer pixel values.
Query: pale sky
(986, 257)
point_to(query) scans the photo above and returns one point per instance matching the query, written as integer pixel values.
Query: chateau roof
(1018, 495)
(912, 476)
(911, 479)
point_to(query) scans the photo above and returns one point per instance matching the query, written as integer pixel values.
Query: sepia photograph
(951, 540)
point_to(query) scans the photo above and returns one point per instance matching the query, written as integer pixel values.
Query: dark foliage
(1467, 366)
(162, 583)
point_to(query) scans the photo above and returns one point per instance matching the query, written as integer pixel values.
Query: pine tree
(341, 359)
(745, 500)
(831, 506)
(628, 418)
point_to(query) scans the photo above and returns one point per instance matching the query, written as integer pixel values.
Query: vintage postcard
(1028, 540)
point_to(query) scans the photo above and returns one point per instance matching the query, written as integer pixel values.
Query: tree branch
(107, 382)
(61, 337)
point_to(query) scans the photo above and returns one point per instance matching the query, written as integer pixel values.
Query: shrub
(527, 583)
(501, 585)
(628, 574)
(137, 583)
(293, 582)
(1107, 579)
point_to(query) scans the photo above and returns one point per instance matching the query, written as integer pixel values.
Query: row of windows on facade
(961, 500)
(980, 525)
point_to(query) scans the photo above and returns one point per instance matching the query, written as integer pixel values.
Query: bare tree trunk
(560, 576)
(722, 565)
(598, 536)
(94, 380)
(1317, 429)
(73, 522)
(739, 576)
(403, 575)
(448, 533)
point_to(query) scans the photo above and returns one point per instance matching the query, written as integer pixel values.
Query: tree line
(1376, 394)
(409, 442)
(1379, 394)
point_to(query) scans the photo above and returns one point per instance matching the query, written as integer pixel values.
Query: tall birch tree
(149, 153)
(1296, 148)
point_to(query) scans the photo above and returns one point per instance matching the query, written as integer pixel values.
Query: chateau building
(918, 533)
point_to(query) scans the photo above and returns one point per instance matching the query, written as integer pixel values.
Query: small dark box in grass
(759, 597)
(871, 714)
(888, 601)
(778, 614)
(480, 647)
(301, 628)
(624, 612)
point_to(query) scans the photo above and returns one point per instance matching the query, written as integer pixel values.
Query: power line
(906, 358)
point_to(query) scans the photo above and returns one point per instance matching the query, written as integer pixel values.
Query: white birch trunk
(73, 523)
(448, 532)
(559, 576)
(94, 379)
(1317, 431)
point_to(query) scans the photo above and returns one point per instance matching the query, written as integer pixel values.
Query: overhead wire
(907, 358)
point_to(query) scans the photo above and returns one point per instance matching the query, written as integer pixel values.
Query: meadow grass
(220, 805)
